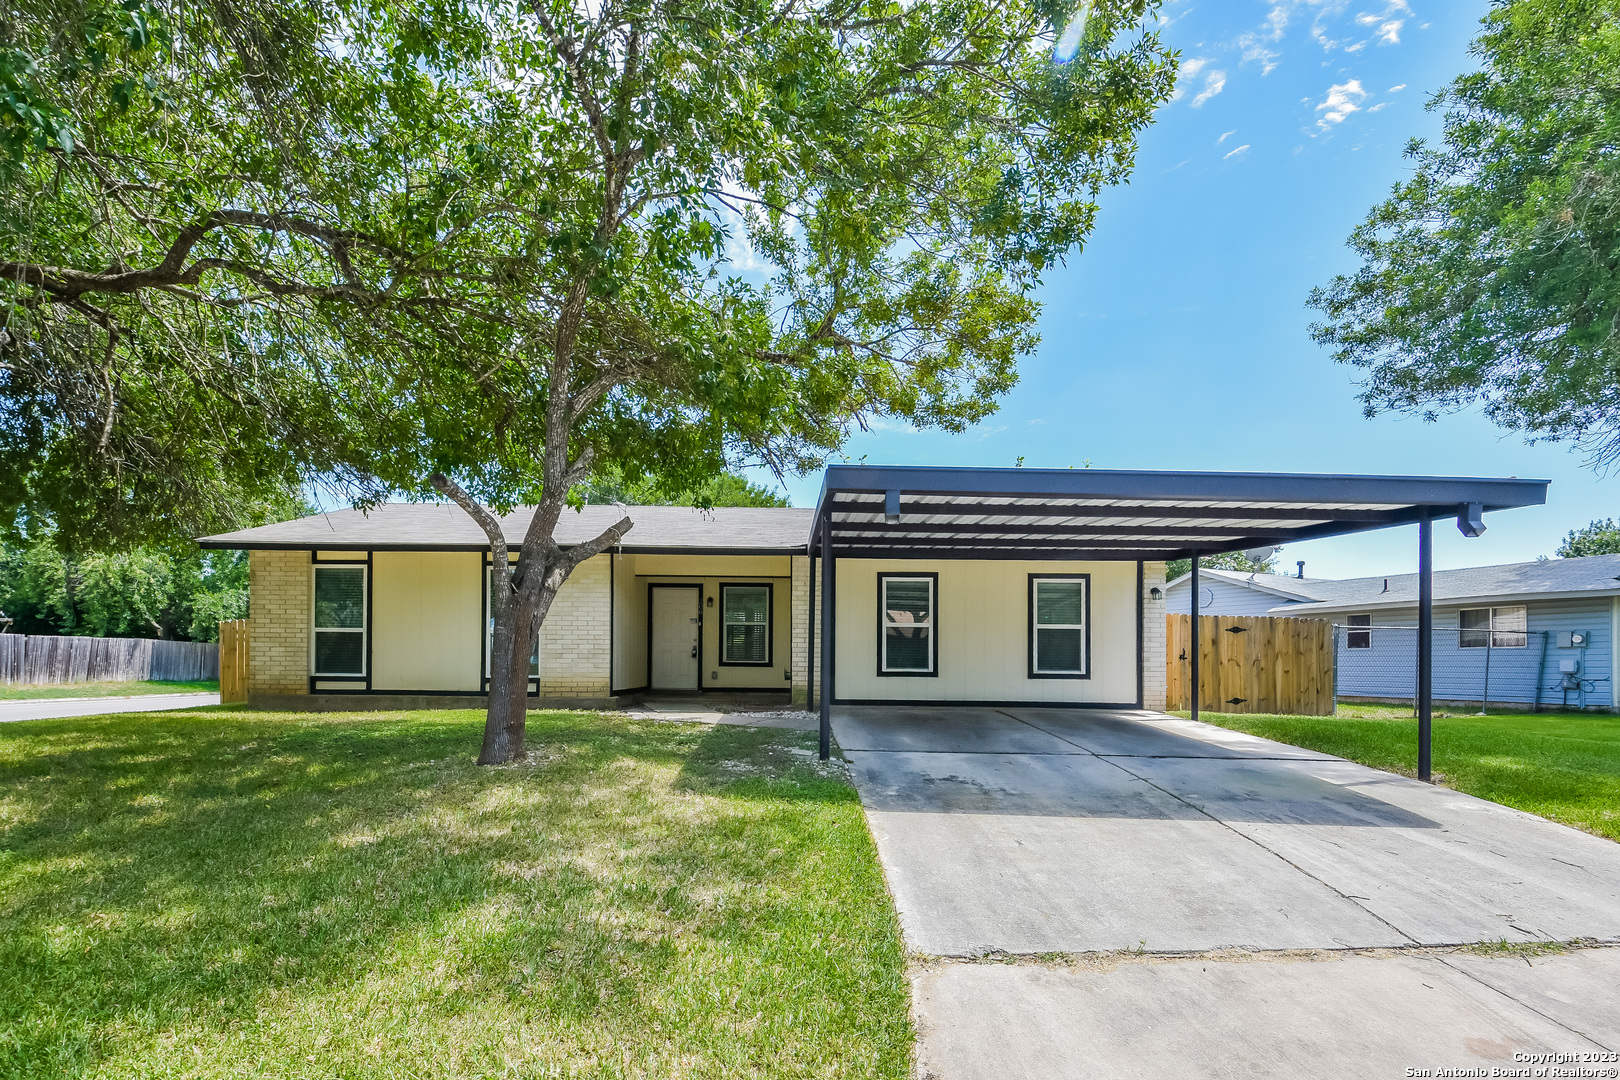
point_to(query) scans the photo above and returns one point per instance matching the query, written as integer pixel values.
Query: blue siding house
(1538, 633)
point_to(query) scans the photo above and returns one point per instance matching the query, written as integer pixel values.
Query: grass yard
(1564, 766)
(219, 893)
(21, 692)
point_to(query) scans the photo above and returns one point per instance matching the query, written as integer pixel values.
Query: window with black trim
(745, 624)
(340, 620)
(1358, 639)
(1498, 628)
(907, 644)
(1058, 606)
(489, 628)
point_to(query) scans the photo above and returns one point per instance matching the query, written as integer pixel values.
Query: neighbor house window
(1500, 628)
(340, 620)
(745, 624)
(906, 642)
(1057, 632)
(1359, 639)
(489, 628)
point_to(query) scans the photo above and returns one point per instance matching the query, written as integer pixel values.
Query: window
(1500, 628)
(1358, 639)
(906, 644)
(1057, 631)
(489, 628)
(745, 624)
(340, 620)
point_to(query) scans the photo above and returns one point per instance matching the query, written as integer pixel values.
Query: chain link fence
(1474, 668)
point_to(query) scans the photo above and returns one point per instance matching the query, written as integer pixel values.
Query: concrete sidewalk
(56, 708)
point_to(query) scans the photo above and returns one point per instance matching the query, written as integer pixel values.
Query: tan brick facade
(279, 607)
(576, 638)
(1153, 637)
(801, 640)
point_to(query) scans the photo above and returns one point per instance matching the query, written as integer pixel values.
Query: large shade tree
(493, 250)
(1492, 275)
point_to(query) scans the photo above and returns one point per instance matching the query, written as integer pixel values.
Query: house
(978, 586)
(1544, 632)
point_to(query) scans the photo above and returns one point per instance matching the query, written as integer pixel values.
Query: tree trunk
(510, 650)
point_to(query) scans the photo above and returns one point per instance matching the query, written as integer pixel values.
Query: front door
(675, 616)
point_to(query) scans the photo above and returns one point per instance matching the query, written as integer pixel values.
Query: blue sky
(1178, 339)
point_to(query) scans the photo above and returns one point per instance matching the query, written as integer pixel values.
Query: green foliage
(364, 241)
(1490, 275)
(1599, 538)
(143, 593)
(1231, 560)
(726, 489)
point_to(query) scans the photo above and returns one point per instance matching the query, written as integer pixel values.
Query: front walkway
(1045, 831)
(55, 708)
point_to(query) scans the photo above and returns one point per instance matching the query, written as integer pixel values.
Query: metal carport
(914, 512)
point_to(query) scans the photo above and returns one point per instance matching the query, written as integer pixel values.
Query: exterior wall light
(1156, 593)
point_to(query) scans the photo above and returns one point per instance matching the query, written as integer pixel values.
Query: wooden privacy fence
(233, 660)
(1252, 664)
(29, 658)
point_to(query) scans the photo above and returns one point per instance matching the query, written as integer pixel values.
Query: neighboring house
(1570, 606)
(981, 586)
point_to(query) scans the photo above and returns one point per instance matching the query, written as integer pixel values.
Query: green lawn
(18, 691)
(1565, 766)
(221, 893)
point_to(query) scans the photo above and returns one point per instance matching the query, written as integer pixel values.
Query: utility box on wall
(1573, 639)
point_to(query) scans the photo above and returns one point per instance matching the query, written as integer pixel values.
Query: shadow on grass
(264, 880)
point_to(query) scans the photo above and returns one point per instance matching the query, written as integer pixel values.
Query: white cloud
(1225, 135)
(1397, 88)
(1342, 100)
(1380, 105)
(1386, 24)
(1214, 83)
(1236, 152)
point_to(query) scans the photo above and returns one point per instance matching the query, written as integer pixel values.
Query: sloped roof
(446, 527)
(1594, 575)
(1285, 587)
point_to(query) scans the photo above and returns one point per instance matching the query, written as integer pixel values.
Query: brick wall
(798, 612)
(1153, 635)
(575, 639)
(278, 605)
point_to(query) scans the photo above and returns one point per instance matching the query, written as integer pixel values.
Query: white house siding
(983, 633)
(1389, 668)
(633, 574)
(425, 620)
(1221, 597)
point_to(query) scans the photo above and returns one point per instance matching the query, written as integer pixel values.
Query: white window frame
(1496, 636)
(770, 627)
(932, 625)
(1354, 633)
(489, 630)
(1036, 626)
(364, 629)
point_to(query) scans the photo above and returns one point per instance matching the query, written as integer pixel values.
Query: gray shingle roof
(1594, 575)
(444, 526)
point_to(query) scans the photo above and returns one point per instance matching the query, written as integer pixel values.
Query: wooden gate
(233, 660)
(1252, 664)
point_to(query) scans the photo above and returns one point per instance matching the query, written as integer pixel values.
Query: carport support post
(1425, 642)
(1192, 688)
(826, 637)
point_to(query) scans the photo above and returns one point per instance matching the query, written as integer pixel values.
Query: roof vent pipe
(1386, 584)
(1301, 565)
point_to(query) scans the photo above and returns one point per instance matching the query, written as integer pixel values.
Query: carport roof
(881, 511)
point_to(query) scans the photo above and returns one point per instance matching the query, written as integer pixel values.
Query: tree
(1599, 538)
(1490, 276)
(493, 252)
(1231, 560)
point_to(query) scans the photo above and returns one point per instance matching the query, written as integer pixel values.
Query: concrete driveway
(55, 708)
(1045, 831)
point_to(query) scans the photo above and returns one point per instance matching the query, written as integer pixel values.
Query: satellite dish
(1260, 554)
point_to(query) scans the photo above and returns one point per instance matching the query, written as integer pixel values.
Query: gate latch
(1236, 700)
(1237, 629)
